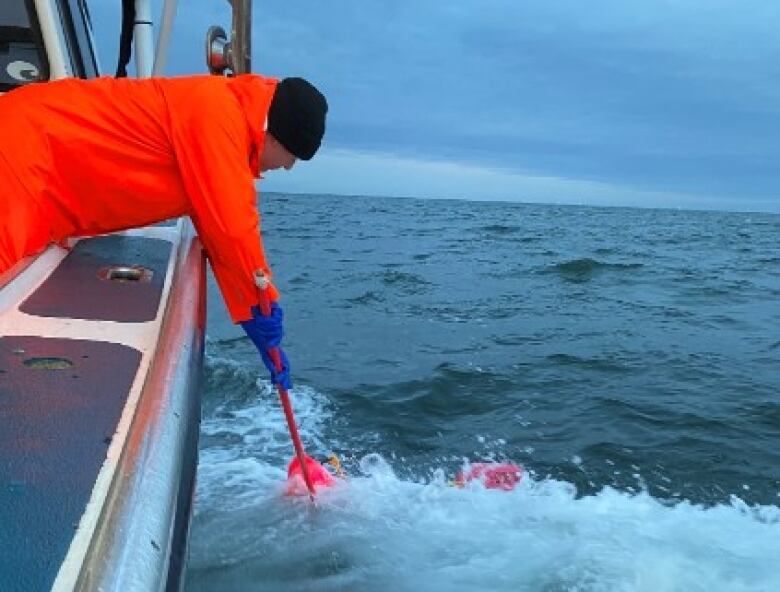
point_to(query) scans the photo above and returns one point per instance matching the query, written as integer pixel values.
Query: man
(87, 157)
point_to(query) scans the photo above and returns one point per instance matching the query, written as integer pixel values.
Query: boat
(101, 353)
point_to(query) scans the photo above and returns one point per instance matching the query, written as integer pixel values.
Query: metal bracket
(217, 48)
(234, 54)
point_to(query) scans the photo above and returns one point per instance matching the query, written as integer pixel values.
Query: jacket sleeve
(211, 141)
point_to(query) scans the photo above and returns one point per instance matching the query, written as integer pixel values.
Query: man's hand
(267, 333)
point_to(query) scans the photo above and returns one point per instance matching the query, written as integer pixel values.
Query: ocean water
(628, 359)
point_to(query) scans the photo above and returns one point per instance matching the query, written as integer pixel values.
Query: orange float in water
(319, 475)
(503, 476)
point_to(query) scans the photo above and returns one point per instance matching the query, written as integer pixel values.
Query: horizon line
(524, 203)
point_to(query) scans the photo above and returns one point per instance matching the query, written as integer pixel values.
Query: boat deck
(61, 400)
(57, 424)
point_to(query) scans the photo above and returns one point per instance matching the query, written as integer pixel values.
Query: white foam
(251, 443)
(542, 537)
(379, 532)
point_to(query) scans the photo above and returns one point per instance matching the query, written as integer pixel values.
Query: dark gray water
(629, 359)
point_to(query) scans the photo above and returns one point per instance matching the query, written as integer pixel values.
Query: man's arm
(211, 141)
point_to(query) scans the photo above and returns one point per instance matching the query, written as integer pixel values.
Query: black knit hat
(297, 117)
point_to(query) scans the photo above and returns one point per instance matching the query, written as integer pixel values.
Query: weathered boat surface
(99, 406)
(101, 350)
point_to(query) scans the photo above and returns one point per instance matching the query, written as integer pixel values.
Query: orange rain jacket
(87, 157)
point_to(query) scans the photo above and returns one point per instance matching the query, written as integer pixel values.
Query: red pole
(265, 308)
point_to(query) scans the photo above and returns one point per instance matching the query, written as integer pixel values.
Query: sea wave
(586, 268)
(366, 298)
(377, 532)
(642, 403)
(388, 528)
(404, 280)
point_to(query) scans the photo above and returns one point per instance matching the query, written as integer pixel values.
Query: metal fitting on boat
(125, 273)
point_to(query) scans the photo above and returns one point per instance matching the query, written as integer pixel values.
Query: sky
(654, 103)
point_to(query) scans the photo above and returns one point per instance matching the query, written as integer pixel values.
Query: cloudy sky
(669, 103)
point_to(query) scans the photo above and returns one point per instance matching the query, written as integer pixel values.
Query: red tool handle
(273, 352)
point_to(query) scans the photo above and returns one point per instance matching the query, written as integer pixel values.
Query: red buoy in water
(319, 475)
(504, 476)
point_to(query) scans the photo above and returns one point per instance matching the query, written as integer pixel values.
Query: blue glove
(283, 377)
(265, 333)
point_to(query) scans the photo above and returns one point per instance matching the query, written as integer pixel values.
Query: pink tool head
(320, 477)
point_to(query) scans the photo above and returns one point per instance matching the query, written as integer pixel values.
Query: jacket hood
(254, 94)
